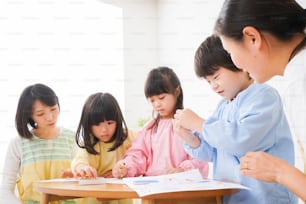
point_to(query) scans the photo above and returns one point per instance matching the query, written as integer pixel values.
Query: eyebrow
(38, 111)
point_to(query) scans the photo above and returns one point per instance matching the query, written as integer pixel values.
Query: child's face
(227, 83)
(164, 104)
(104, 131)
(45, 116)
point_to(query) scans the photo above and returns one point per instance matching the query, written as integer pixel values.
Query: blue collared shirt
(253, 121)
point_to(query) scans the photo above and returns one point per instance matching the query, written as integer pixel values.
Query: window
(75, 47)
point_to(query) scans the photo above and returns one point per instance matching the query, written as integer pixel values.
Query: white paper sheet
(184, 181)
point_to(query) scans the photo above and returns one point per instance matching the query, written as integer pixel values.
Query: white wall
(183, 25)
(165, 32)
(140, 54)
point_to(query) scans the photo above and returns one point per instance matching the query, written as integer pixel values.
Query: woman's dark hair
(281, 18)
(163, 80)
(100, 107)
(24, 112)
(210, 56)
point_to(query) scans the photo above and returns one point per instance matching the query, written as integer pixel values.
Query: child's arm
(136, 158)
(193, 142)
(199, 156)
(10, 172)
(80, 165)
(186, 135)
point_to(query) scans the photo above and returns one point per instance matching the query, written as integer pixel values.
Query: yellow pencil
(122, 166)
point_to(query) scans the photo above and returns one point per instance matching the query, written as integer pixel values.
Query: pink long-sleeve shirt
(154, 152)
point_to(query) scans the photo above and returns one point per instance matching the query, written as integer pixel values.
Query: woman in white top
(268, 38)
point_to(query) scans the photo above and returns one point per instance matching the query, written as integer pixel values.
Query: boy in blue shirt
(250, 117)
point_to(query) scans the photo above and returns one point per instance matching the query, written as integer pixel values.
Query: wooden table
(52, 191)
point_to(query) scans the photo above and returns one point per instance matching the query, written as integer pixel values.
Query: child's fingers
(116, 172)
(108, 174)
(122, 170)
(94, 173)
(80, 173)
(87, 172)
(90, 173)
(67, 173)
(119, 170)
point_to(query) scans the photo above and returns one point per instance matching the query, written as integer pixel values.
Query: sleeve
(295, 105)
(81, 157)
(193, 163)
(203, 153)
(136, 158)
(10, 173)
(253, 127)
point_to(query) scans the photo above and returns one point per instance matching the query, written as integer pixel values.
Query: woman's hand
(261, 166)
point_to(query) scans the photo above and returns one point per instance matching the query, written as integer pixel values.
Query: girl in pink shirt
(156, 149)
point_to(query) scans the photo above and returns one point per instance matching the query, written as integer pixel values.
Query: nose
(49, 116)
(214, 85)
(156, 104)
(102, 127)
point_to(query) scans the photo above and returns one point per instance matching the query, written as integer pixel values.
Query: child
(42, 150)
(249, 118)
(103, 137)
(156, 149)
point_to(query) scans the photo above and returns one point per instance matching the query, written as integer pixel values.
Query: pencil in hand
(122, 166)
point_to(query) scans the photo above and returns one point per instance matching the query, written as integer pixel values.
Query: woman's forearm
(293, 179)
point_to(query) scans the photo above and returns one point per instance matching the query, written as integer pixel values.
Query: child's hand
(186, 135)
(67, 173)
(85, 171)
(180, 131)
(174, 170)
(188, 119)
(108, 174)
(120, 170)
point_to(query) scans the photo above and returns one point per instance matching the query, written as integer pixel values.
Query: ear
(252, 36)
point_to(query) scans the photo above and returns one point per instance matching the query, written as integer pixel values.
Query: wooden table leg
(219, 199)
(147, 201)
(44, 198)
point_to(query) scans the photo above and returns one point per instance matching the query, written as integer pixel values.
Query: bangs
(102, 111)
(48, 100)
(158, 84)
(44, 94)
